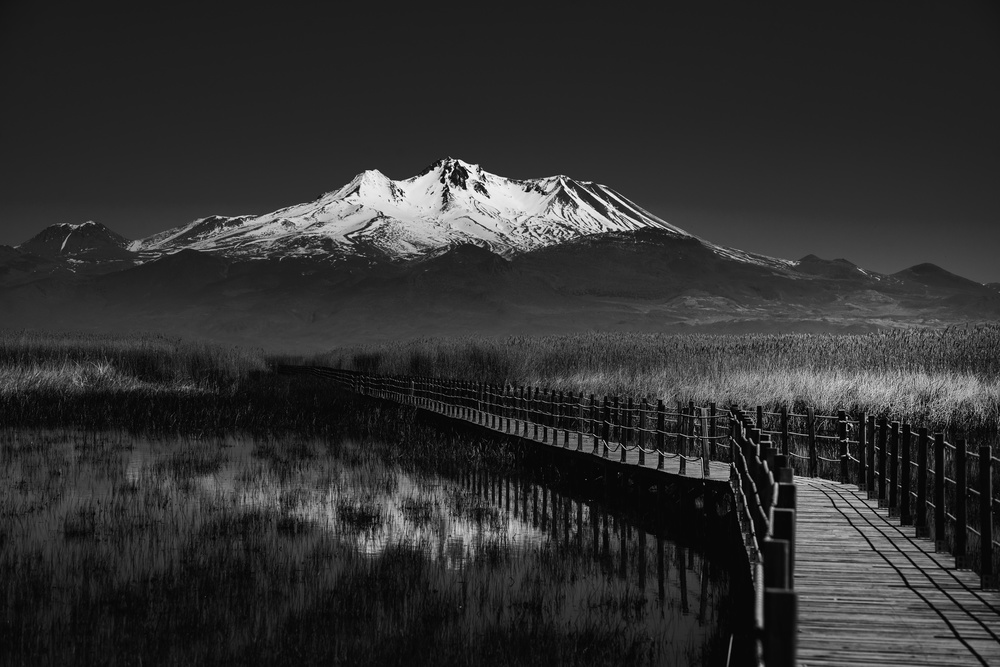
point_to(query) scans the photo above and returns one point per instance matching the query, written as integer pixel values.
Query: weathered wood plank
(870, 593)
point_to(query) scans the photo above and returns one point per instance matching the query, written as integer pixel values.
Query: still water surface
(383, 557)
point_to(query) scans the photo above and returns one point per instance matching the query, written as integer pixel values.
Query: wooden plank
(871, 593)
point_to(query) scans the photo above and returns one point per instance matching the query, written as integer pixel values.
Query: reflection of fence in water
(945, 491)
(682, 575)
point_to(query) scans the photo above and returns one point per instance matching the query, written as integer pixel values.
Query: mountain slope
(448, 204)
(90, 241)
(642, 280)
(453, 250)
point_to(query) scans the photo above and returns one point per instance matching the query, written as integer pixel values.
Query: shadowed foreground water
(121, 550)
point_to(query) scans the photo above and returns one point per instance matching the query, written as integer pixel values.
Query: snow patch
(451, 202)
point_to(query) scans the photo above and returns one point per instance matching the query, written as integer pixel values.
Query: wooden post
(508, 405)
(905, 518)
(872, 491)
(894, 469)
(680, 428)
(782, 473)
(961, 506)
(546, 414)
(484, 415)
(581, 425)
(775, 554)
(535, 417)
(921, 516)
(682, 444)
(784, 430)
(629, 435)
(706, 469)
(862, 452)
(625, 430)
(781, 628)
(660, 435)
(768, 451)
(842, 436)
(987, 576)
(526, 407)
(939, 535)
(554, 416)
(691, 426)
(566, 398)
(559, 423)
(616, 418)
(783, 524)
(760, 417)
(566, 417)
(606, 426)
(595, 430)
(811, 433)
(480, 402)
(712, 430)
(883, 425)
(643, 406)
(515, 408)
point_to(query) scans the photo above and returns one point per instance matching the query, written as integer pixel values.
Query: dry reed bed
(202, 556)
(948, 378)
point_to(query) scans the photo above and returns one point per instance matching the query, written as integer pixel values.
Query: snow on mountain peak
(450, 202)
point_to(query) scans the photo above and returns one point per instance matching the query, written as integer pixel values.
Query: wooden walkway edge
(557, 439)
(870, 593)
(843, 583)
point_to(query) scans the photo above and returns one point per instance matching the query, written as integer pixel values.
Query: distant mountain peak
(87, 240)
(933, 275)
(447, 164)
(451, 202)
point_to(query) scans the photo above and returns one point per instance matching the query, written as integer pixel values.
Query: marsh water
(123, 549)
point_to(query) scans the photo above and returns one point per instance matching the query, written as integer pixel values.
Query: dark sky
(865, 130)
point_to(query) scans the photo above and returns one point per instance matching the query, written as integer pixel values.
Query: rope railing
(690, 434)
(765, 506)
(944, 489)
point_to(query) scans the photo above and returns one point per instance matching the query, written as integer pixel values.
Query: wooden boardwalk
(867, 591)
(872, 594)
(718, 472)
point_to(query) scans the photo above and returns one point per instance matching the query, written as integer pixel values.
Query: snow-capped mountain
(494, 256)
(450, 203)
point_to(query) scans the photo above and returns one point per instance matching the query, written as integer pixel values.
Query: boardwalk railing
(765, 507)
(615, 425)
(760, 478)
(947, 492)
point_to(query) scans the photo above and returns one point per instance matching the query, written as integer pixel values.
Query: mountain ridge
(453, 250)
(449, 203)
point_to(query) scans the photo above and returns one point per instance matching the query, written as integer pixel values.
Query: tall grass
(236, 551)
(139, 382)
(75, 362)
(945, 378)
